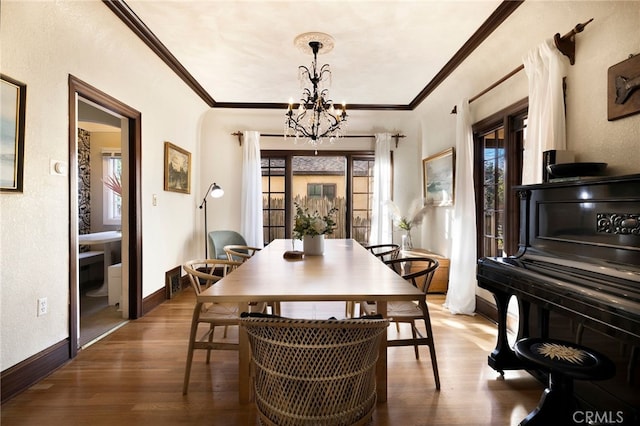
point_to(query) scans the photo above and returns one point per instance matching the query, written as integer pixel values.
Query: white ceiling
(242, 51)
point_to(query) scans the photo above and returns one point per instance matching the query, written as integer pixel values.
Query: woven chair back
(314, 372)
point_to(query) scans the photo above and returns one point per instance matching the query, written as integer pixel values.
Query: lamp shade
(216, 191)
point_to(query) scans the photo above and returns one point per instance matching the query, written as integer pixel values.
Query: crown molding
(135, 24)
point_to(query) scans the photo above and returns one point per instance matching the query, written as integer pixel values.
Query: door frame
(78, 88)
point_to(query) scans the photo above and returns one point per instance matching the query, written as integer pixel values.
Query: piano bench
(564, 362)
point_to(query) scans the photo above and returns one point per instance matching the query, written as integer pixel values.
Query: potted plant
(312, 227)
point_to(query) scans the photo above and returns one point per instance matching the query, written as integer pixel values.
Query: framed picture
(177, 169)
(13, 96)
(623, 98)
(438, 172)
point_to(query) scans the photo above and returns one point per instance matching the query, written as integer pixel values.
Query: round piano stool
(564, 362)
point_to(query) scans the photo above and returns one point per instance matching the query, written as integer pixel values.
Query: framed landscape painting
(439, 174)
(177, 169)
(13, 95)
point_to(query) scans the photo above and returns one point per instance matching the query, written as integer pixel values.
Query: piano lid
(594, 219)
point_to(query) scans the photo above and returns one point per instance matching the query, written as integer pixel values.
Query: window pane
(360, 184)
(277, 184)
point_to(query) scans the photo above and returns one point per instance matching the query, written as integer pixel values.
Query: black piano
(576, 277)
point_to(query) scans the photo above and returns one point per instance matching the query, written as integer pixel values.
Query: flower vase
(313, 245)
(407, 244)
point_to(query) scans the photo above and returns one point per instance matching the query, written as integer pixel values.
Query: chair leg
(192, 339)
(212, 329)
(415, 338)
(432, 347)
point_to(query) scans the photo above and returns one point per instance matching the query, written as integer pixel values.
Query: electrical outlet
(42, 306)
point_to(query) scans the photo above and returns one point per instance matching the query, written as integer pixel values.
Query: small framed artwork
(438, 172)
(177, 169)
(623, 98)
(13, 96)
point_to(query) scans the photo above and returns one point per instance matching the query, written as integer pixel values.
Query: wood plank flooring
(134, 377)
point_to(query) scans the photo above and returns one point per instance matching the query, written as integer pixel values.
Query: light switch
(154, 199)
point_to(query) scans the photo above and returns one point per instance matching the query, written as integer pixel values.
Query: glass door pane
(493, 151)
(319, 184)
(362, 197)
(273, 198)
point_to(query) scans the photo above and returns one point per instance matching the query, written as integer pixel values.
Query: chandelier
(316, 118)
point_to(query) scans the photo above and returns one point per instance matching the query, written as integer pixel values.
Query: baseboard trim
(15, 380)
(21, 376)
(153, 300)
(486, 309)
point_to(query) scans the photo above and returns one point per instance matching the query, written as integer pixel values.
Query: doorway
(117, 256)
(101, 142)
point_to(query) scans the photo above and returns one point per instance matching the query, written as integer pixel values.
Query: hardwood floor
(134, 377)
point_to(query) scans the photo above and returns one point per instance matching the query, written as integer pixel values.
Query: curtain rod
(565, 44)
(238, 133)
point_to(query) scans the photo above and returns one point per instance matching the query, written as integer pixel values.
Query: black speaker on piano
(555, 156)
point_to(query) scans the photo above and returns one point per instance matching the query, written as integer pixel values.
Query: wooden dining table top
(345, 272)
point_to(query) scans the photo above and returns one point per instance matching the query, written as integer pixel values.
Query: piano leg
(503, 357)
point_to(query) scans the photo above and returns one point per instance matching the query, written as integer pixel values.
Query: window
(498, 168)
(362, 198)
(340, 179)
(321, 190)
(273, 198)
(112, 202)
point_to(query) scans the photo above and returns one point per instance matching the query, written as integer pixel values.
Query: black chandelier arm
(304, 72)
(323, 71)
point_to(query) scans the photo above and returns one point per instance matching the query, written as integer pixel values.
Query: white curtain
(461, 295)
(251, 204)
(381, 231)
(544, 66)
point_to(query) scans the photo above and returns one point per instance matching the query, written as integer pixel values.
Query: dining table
(346, 271)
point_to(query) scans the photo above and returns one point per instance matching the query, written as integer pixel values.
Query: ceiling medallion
(315, 118)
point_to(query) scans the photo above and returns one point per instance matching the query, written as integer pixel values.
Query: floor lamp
(216, 192)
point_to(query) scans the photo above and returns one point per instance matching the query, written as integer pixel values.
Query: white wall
(42, 43)
(609, 39)
(221, 155)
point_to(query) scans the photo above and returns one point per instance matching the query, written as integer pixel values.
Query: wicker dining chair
(419, 271)
(201, 276)
(314, 372)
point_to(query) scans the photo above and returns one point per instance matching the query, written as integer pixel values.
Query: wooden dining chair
(382, 252)
(314, 372)
(242, 253)
(409, 312)
(201, 276)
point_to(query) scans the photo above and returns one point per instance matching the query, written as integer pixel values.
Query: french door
(319, 182)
